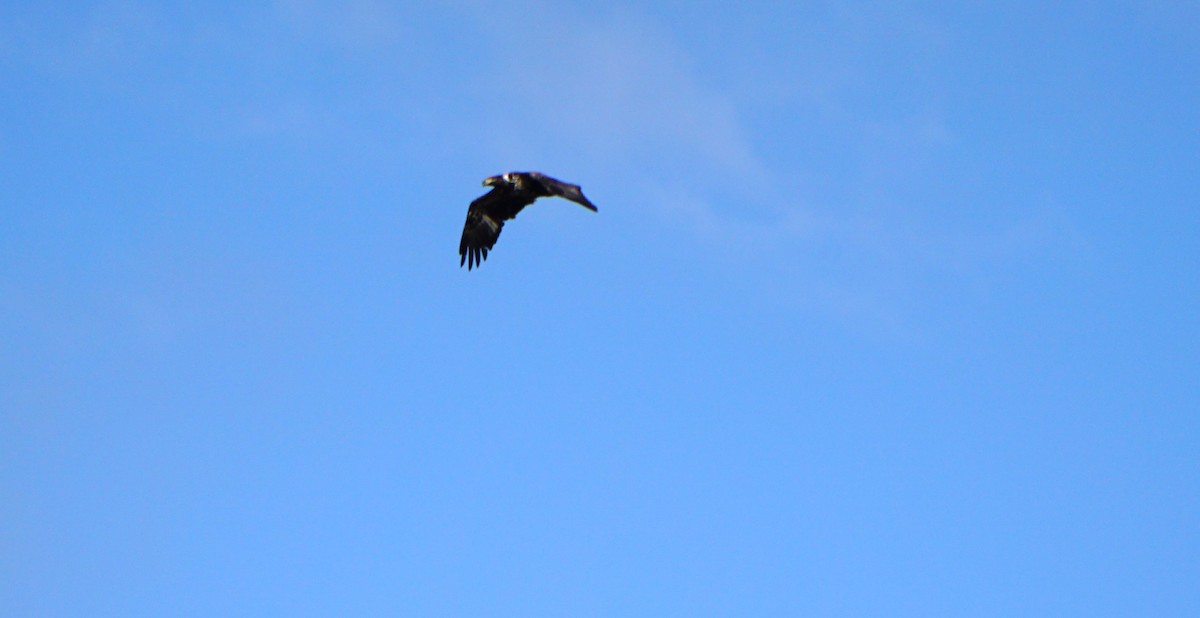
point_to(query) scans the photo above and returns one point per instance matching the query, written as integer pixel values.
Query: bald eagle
(510, 193)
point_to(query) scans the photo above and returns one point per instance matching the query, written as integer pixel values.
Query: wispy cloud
(847, 210)
(614, 90)
(354, 24)
(598, 94)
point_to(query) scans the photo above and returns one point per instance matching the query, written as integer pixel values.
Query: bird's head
(511, 179)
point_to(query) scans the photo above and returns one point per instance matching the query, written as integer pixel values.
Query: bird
(511, 192)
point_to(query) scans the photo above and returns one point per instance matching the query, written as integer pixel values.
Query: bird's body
(510, 193)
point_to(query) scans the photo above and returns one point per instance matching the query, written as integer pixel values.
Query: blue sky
(888, 309)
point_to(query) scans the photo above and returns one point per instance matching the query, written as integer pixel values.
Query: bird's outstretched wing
(479, 235)
(555, 187)
(485, 219)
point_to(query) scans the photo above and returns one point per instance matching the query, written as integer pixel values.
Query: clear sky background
(890, 308)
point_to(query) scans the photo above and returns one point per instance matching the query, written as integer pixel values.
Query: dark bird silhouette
(510, 193)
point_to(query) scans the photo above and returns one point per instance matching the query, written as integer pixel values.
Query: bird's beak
(491, 180)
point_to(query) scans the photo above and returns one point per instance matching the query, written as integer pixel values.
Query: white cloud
(355, 24)
(617, 92)
(599, 94)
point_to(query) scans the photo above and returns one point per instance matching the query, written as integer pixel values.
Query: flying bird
(510, 193)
